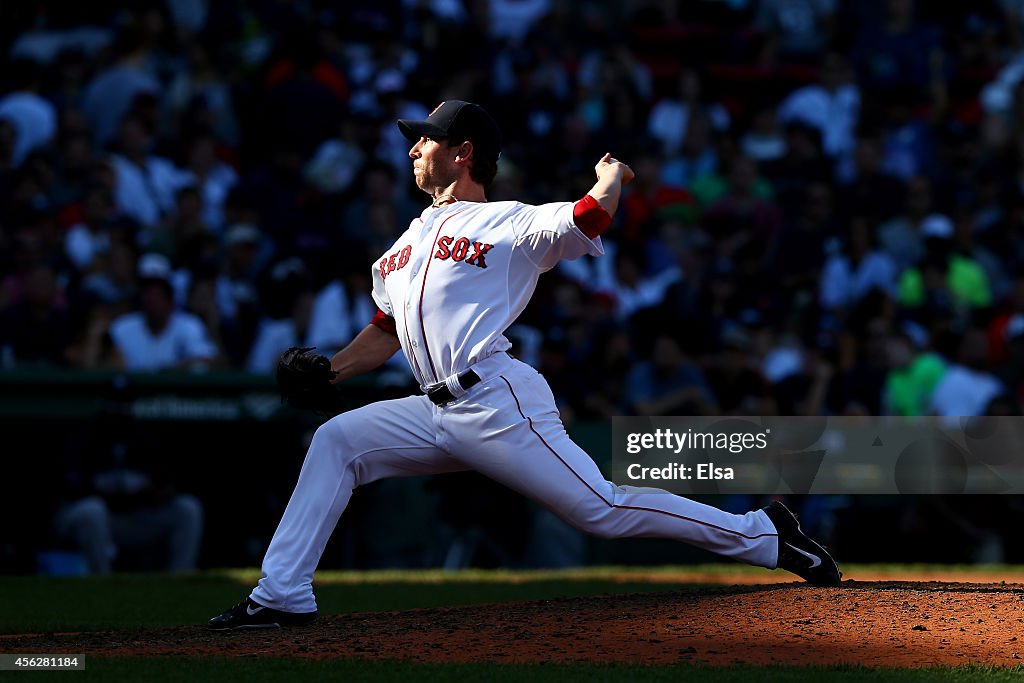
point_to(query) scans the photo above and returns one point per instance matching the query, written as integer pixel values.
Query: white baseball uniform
(454, 282)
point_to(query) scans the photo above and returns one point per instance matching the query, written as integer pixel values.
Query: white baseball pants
(507, 428)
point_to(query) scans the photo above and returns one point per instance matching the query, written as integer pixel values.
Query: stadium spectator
(944, 269)
(380, 211)
(670, 117)
(37, 328)
(902, 236)
(145, 184)
(901, 52)
(802, 28)
(199, 95)
(289, 311)
(913, 375)
(633, 288)
(801, 245)
(764, 142)
(856, 268)
(804, 162)
(183, 236)
(832, 105)
(212, 177)
(865, 186)
(156, 336)
(85, 240)
(511, 20)
(697, 158)
(670, 383)
(741, 205)
(33, 116)
(967, 386)
(112, 93)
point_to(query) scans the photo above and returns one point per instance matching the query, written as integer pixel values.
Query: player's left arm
(370, 349)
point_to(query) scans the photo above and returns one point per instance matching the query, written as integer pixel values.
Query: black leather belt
(440, 394)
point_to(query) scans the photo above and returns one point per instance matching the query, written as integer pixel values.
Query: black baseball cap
(458, 120)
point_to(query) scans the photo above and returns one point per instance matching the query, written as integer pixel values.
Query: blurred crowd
(828, 216)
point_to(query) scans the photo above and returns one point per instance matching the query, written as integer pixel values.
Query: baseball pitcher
(446, 291)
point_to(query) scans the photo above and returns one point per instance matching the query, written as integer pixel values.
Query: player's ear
(465, 150)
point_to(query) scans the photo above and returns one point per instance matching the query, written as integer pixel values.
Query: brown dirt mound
(894, 624)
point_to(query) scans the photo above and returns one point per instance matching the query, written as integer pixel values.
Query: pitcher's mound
(893, 624)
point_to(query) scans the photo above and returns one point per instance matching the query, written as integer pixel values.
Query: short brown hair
(483, 169)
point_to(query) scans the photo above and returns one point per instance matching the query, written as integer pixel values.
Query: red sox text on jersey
(462, 273)
(456, 249)
(448, 246)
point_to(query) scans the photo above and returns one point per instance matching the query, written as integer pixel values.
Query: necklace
(444, 199)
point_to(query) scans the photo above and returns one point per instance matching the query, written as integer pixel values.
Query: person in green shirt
(912, 377)
(944, 272)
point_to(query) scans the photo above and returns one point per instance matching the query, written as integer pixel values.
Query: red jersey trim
(590, 217)
(384, 322)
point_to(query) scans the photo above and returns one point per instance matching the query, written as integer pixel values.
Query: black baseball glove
(304, 380)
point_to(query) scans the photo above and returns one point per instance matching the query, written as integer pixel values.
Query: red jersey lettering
(395, 261)
(460, 249)
(443, 245)
(477, 259)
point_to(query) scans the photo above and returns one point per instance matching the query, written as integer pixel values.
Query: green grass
(224, 670)
(43, 604)
(36, 604)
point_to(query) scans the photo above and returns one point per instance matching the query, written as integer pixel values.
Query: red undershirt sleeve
(384, 322)
(590, 217)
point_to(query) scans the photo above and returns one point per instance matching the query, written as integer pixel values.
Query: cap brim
(414, 130)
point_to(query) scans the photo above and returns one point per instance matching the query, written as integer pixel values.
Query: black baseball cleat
(249, 614)
(798, 553)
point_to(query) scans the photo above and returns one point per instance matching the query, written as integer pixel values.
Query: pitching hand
(609, 164)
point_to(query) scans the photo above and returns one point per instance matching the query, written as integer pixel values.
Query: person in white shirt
(112, 92)
(212, 177)
(145, 185)
(88, 239)
(670, 118)
(34, 118)
(832, 106)
(967, 387)
(156, 336)
(855, 269)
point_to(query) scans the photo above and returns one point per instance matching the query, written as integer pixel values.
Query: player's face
(433, 164)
